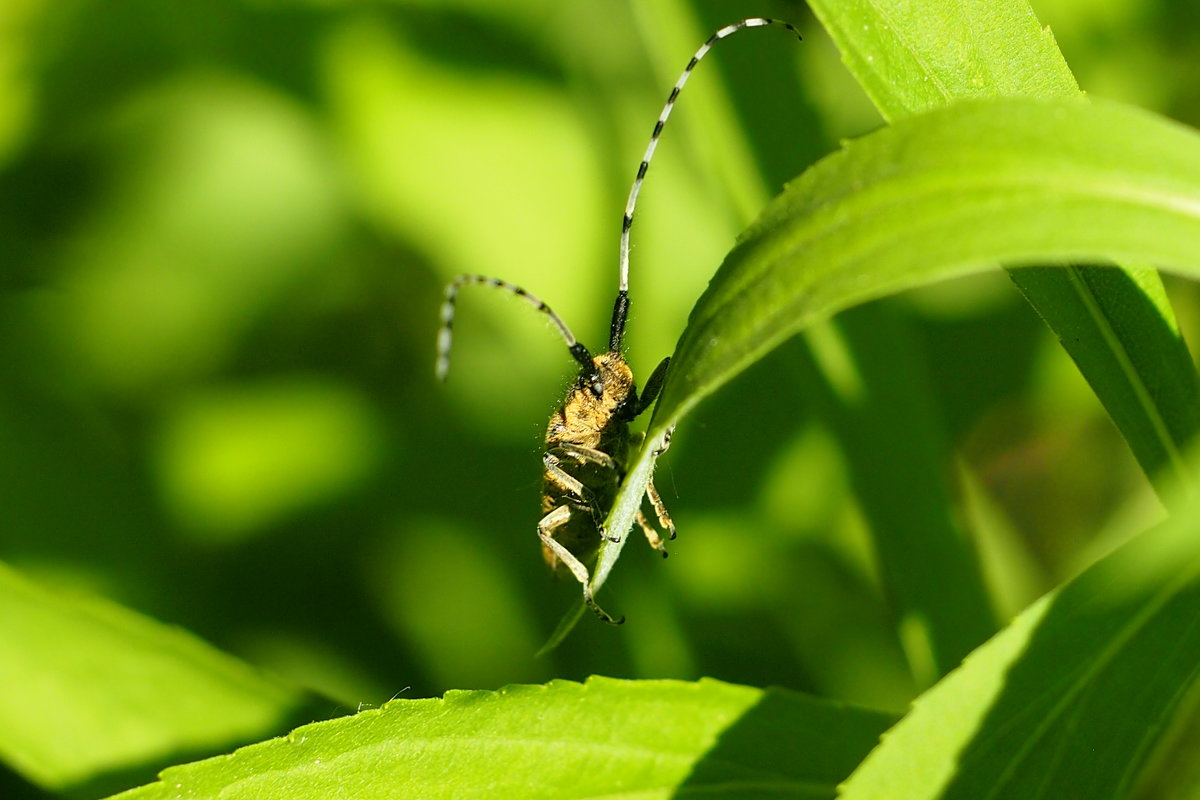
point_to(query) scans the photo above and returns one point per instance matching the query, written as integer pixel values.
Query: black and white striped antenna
(621, 309)
(446, 332)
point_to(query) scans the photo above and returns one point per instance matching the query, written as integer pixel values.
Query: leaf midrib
(1158, 424)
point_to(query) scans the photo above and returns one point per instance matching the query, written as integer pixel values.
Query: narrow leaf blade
(912, 57)
(1104, 319)
(1072, 699)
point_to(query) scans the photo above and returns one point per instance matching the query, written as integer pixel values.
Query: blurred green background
(224, 229)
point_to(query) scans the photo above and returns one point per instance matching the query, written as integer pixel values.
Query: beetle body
(588, 440)
(587, 446)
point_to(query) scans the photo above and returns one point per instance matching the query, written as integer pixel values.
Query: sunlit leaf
(1118, 326)
(1072, 699)
(956, 191)
(603, 738)
(88, 688)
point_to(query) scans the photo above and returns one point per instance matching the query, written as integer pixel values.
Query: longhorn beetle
(588, 439)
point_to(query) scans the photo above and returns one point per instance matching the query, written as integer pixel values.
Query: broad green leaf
(88, 688)
(603, 738)
(948, 193)
(1073, 699)
(912, 57)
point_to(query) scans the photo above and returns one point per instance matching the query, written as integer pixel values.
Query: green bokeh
(224, 228)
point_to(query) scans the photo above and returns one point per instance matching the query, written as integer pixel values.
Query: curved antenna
(621, 309)
(446, 332)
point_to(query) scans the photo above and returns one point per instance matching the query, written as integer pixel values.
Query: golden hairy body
(587, 446)
(583, 436)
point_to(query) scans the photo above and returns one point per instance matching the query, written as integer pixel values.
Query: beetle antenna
(621, 309)
(446, 332)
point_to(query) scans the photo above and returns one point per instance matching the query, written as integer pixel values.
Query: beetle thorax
(589, 420)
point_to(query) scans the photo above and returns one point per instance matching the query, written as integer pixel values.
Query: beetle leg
(563, 479)
(653, 385)
(660, 510)
(588, 455)
(572, 486)
(666, 442)
(584, 455)
(548, 524)
(652, 536)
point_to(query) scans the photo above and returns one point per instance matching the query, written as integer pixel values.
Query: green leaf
(88, 688)
(1073, 699)
(866, 377)
(911, 57)
(1118, 327)
(603, 738)
(891, 437)
(948, 193)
